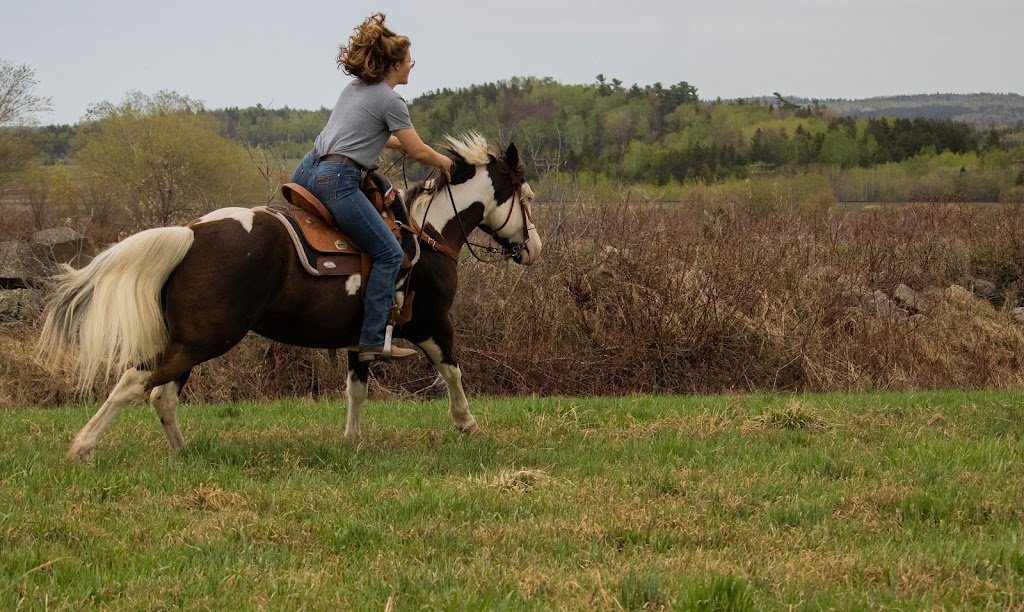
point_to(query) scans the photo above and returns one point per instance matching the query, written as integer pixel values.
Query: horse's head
(488, 190)
(509, 220)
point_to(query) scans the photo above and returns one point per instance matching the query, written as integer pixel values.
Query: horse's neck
(438, 217)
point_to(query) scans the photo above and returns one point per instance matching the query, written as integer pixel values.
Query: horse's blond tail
(111, 308)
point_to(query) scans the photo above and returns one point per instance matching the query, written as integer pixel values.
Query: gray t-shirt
(362, 120)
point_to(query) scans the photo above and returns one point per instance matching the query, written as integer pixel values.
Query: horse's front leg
(355, 388)
(440, 353)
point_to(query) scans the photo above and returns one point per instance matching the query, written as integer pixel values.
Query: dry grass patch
(521, 481)
(215, 515)
(210, 498)
(795, 415)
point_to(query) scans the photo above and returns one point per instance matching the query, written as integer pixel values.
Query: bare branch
(16, 98)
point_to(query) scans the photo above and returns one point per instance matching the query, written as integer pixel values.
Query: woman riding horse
(165, 300)
(368, 116)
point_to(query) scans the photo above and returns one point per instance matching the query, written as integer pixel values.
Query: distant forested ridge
(982, 110)
(654, 134)
(658, 134)
(287, 131)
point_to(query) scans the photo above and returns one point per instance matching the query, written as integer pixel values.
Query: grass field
(911, 500)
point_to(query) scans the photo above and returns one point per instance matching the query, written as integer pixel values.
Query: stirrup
(386, 352)
(367, 355)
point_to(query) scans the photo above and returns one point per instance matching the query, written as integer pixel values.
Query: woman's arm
(414, 147)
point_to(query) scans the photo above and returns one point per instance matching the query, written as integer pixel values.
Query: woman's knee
(392, 254)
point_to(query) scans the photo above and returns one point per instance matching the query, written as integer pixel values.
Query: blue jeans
(336, 185)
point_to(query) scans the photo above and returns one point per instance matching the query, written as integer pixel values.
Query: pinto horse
(162, 301)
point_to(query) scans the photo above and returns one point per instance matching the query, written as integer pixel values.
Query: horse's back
(244, 271)
(228, 274)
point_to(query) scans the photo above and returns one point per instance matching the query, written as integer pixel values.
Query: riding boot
(376, 353)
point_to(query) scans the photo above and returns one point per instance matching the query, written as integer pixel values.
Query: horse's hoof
(78, 453)
(468, 428)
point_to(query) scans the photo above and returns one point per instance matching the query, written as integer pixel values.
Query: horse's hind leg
(170, 375)
(129, 389)
(165, 401)
(449, 370)
(355, 389)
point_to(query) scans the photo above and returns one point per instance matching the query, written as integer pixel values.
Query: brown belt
(337, 157)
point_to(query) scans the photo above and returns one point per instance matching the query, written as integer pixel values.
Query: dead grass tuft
(24, 381)
(210, 498)
(793, 416)
(520, 481)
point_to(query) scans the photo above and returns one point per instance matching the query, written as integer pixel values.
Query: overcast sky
(283, 53)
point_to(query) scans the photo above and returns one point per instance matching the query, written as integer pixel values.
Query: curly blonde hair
(372, 50)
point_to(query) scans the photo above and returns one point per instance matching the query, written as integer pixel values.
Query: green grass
(911, 500)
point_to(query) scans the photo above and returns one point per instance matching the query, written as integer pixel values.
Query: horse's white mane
(471, 146)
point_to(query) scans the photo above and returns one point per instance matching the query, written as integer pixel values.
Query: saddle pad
(323, 251)
(322, 238)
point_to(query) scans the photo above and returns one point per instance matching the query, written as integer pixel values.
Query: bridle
(513, 251)
(419, 232)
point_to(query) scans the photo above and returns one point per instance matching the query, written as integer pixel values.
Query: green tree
(164, 159)
(839, 148)
(769, 146)
(15, 155)
(48, 191)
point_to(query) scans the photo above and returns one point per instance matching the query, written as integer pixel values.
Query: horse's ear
(512, 155)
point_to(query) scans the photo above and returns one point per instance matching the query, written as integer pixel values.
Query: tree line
(651, 134)
(657, 135)
(167, 155)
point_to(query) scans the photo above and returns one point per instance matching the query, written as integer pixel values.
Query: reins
(418, 230)
(487, 248)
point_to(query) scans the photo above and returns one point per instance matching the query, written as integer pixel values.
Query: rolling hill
(982, 110)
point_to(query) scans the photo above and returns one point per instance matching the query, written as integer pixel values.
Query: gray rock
(908, 298)
(879, 304)
(19, 265)
(13, 302)
(63, 245)
(956, 293)
(983, 288)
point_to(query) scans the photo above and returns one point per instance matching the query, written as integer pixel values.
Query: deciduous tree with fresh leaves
(164, 158)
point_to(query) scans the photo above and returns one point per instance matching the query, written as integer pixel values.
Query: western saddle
(322, 248)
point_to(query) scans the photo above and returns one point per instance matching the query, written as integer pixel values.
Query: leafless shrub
(679, 298)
